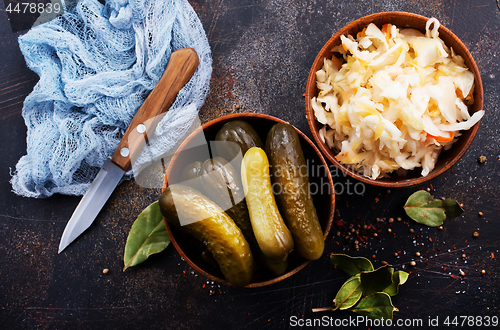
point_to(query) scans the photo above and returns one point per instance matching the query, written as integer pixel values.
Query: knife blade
(180, 68)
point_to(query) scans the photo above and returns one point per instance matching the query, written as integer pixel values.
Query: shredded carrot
(492, 255)
(441, 138)
(387, 29)
(337, 62)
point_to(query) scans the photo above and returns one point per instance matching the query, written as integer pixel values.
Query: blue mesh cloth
(97, 63)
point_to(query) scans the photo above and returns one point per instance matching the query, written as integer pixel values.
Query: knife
(180, 68)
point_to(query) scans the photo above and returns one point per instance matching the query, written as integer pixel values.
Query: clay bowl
(401, 19)
(324, 199)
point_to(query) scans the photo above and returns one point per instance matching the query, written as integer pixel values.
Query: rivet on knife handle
(181, 66)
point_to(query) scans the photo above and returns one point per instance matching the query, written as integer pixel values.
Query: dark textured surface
(262, 53)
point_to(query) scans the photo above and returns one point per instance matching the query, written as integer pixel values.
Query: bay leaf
(398, 278)
(349, 294)
(423, 208)
(452, 208)
(351, 265)
(377, 280)
(375, 306)
(147, 236)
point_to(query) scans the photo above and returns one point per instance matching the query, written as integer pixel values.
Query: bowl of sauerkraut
(394, 99)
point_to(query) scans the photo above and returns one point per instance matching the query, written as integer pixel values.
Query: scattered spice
(389, 230)
(417, 254)
(462, 273)
(480, 214)
(428, 189)
(476, 234)
(413, 263)
(483, 272)
(463, 255)
(440, 227)
(396, 254)
(399, 218)
(105, 271)
(391, 220)
(481, 159)
(412, 231)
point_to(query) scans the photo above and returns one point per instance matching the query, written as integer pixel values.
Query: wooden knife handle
(180, 68)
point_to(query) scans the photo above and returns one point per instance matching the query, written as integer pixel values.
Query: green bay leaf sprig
(423, 208)
(368, 291)
(147, 236)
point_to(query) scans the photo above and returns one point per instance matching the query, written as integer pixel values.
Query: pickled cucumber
(209, 224)
(241, 133)
(222, 184)
(289, 175)
(190, 175)
(271, 233)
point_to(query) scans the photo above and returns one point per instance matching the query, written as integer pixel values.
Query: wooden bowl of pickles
(248, 200)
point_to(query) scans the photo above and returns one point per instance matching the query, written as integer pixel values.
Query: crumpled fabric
(97, 63)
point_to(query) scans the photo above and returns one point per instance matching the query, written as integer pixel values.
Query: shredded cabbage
(400, 98)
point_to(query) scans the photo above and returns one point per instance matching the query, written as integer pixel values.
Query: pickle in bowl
(290, 174)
